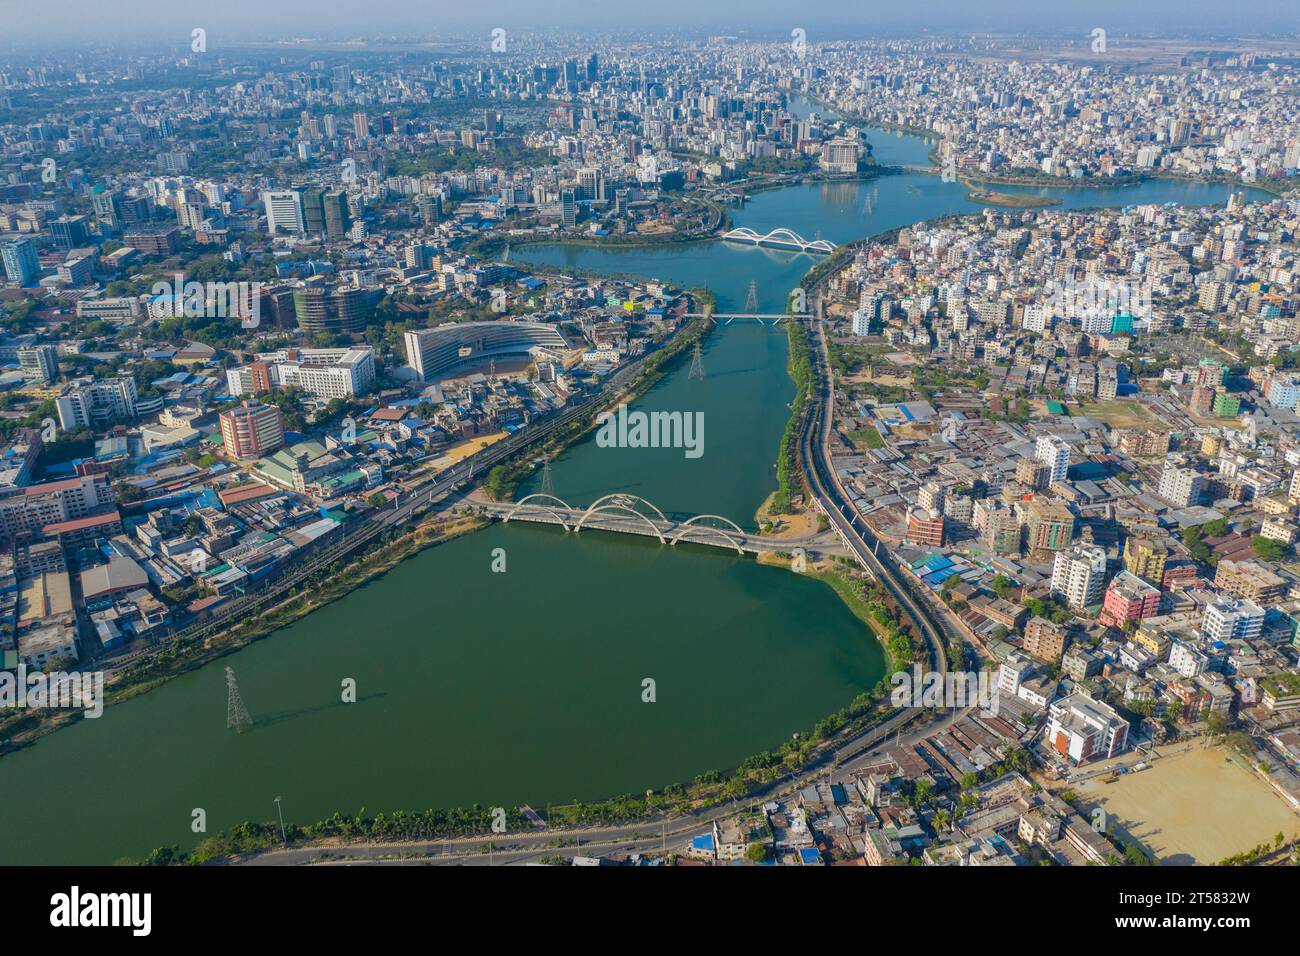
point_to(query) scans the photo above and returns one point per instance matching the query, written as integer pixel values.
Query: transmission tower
(505, 255)
(751, 300)
(548, 483)
(237, 716)
(697, 364)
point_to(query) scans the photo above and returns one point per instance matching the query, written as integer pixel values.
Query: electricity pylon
(751, 300)
(548, 483)
(237, 716)
(697, 364)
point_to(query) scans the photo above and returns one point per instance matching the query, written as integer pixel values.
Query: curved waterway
(525, 686)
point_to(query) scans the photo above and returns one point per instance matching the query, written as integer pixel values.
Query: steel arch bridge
(624, 503)
(689, 526)
(781, 236)
(540, 507)
(625, 513)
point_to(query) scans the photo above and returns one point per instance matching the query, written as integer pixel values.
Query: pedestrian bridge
(631, 514)
(780, 237)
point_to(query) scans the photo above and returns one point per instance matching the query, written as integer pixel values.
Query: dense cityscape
(996, 336)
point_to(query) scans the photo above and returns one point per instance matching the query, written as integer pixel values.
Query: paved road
(824, 482)
(647, 836)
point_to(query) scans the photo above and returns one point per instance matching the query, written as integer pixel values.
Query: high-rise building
(251, 430)
(22, 264)
(39, 363)
(107, 209)
(70, 232)
(929, 496)
(1045, 640)
(319, 308)
(283, 211)
(1082, 728)
(591, 184)
(324, 373)
(1180, 486)
(1001, 528)
(1230, 620)
(1077, 575)
(97, 404)
(1250, 580)
(1145, 558)
(1129, 598)
(1050, 524)
(1032, 473)
(1055, 454)
(325, 213)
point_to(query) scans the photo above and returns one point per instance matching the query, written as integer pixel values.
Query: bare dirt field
(1194, 807)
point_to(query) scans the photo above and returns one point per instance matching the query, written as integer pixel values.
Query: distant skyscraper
(361, 125)
(593, 68)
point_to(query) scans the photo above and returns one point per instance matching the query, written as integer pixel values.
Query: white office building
(283, 211)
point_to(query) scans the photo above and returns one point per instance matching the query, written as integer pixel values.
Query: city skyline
(760, 19)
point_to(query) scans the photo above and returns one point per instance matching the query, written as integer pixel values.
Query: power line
(697, 364)
(237, 716)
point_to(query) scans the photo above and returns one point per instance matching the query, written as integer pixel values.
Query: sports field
(1198, 806)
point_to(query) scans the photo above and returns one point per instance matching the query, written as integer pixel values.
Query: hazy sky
(55, 19)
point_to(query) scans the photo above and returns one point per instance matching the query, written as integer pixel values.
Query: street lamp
(280, 810)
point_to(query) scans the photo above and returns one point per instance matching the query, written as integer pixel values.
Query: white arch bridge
(780, 237)
(630, 514)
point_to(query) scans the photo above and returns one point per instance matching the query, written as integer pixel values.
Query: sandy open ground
(1122, 414)
(452, 455)
(1192, 807)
